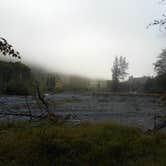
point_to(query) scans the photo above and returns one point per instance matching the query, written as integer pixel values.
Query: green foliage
(15, 78)
(86, 144)
(157, 84)
(7, 49)
(50, 83)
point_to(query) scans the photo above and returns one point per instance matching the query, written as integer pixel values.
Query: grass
(50, 144)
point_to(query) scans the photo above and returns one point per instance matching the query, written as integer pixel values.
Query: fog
(83, 37)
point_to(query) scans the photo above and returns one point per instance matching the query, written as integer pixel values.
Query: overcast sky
(83, 36)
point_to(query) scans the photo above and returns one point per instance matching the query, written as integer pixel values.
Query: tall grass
(49, 144)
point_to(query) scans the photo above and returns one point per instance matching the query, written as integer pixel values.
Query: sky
(83, 37)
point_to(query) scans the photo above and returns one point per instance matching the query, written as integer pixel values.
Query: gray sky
(83, 36)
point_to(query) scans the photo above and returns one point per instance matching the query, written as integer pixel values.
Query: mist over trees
(54, 83)
(119, 71)
(15, 78)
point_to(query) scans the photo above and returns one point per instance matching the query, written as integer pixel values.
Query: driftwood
(41, 98)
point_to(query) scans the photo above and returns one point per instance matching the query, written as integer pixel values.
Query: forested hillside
(15, 78)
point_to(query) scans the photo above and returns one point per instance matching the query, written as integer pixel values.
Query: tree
(160, 64)
(51, 83)
(119, 71)
(159, 22)
(160, 68)
(7, 49)
(15, 78)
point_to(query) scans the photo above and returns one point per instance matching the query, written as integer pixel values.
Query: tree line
(18, 78)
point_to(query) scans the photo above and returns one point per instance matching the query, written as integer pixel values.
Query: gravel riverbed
(137, 110)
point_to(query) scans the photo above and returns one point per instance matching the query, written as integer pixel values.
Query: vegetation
(15, 78)
(86, 144)
(119, 69)
(143, 84)
(159, 22)
(56, 82)
(160, 65)
(52, 142)
(7, 49)
(18, 79)
(157, 84)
